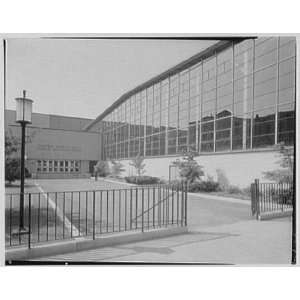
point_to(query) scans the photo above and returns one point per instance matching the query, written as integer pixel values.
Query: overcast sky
(83, 77)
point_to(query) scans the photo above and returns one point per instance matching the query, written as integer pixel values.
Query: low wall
(275, 214)
(83, 243)
(241, 168)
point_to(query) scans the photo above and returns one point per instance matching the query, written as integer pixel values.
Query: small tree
(138, 164)
(189, 169)
(117, 168)
(286, 162)
(12, 165)
(101, 168)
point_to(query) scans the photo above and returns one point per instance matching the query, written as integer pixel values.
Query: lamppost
(23, 116)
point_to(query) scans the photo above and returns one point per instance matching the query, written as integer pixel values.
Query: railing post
(93, 215)
(185, 192)
(256, 182)
(136, 208)
(143, 209)
(130, 212)
(182, 202)
(29, 222)
(10, 219)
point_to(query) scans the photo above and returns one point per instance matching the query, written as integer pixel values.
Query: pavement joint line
(59, 213)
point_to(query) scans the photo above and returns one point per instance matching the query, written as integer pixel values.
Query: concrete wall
(38, 120)
(49, 121)
(240, 168)
(43, 143)
(68, 123)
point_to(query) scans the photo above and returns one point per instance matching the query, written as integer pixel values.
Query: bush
(203, 186)
(13, 170)
(140, 180)
(233, 189)
(138, 164)
(208, 186)
(222, 180)
(116, 168)
(189, 169)
(286, 172)
(284, 197)
(101, 168)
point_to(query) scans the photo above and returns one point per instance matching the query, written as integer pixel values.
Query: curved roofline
(218, 46)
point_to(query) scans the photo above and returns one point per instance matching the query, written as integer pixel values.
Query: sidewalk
(244, 242)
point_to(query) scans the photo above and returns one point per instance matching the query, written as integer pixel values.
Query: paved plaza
(244, 242)
(220, 231)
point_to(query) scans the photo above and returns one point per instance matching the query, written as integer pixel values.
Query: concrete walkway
(245, 242)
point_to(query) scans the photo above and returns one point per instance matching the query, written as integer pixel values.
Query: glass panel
(207, 137)
(265, 52)
(162, 143)
(287, 47)
(155, 144)
(223, 132)
(241, 131)
(192, 137)
(172, 140)
(264, 128)
(286, 124)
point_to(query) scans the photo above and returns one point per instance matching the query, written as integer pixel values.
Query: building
(56, 146)
(231, 103)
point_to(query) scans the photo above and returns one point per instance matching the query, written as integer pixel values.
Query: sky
(81, 78)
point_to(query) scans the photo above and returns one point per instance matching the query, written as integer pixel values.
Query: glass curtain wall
(240, 98)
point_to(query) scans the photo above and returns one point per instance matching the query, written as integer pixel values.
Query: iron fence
(271, 197)
(53, 216)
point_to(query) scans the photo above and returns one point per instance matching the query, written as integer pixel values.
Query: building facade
(231, 103)
(56, 146)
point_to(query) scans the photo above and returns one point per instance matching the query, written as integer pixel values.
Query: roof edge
(218, 46)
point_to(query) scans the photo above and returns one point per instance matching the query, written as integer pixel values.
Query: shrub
(13, 170)
(142, 180)
(286, 162)
(222, 180)
(138, 164)
(189, 169)
(117, 168)
(233, 189)
(101, 168)
(209, 186)
(203, 186)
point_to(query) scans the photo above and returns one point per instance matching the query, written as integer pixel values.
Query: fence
(271, 197)
(64, 215)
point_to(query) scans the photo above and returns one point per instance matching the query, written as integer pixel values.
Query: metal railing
(271, 197)
(53, 216)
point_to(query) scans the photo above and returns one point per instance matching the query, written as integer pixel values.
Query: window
(223, 132)
(55, 166)
(286, 124)
(227, 100)
(264, 128)
(50, 165)
(207, 136)
(39, 166)
(61, 166)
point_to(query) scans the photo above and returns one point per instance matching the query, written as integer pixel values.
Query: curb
(275, 214)
(83, 243)
(220, 198)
